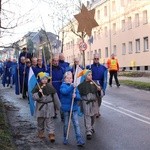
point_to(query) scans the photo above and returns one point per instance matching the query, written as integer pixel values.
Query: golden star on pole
(86, 20)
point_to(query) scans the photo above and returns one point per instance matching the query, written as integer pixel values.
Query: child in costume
(67, 94)
(46, 102)
(89, 95)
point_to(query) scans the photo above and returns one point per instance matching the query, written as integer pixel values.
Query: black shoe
(88, 136)
(118, 85)
(24, 96)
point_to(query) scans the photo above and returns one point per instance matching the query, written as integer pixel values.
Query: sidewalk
(142, 79)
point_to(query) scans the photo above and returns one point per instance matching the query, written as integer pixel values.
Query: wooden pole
(75, 83)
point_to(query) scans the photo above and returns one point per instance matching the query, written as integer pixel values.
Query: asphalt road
(124, 123)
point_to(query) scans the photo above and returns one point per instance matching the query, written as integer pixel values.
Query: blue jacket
(57, 77)
(64, 65)
(99, 73)
(66, 91)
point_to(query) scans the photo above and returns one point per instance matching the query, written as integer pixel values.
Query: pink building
(124, 29)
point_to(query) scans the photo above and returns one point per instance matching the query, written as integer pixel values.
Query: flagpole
(18, 78)
(44, 58)
(90, 54)
(75, 83)
(90, 41)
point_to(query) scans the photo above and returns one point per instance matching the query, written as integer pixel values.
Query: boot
(52, 137)
(41, 134)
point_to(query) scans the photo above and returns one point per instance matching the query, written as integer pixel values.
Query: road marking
(127, 112)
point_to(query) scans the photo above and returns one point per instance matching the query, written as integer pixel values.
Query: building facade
(124, 29)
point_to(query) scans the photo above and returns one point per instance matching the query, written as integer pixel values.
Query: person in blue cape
(7, 72)
(40, 67)
(22, 75)
(57, 73)
(99, 75)
(13, 71)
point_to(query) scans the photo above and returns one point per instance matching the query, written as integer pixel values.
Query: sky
(32, 15)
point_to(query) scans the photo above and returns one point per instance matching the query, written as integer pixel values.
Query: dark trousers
(113, 73)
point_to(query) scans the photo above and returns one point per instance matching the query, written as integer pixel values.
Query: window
(145, 67)
(99, 52)
(99, 34)
(106, 52)
(129, 23)
(123, 25)
(105, 11)
(106, 32)
(115, 49)
(123, 48)
(130, 48)
(136, 20)
(146, 44)
(145, 21)
(137, 45)
(114, 28)
(113, 6)
(94, 35)
(98, 14)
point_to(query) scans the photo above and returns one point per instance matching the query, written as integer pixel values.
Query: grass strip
(136, 84)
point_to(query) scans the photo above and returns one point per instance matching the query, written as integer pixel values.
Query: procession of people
(57, 92)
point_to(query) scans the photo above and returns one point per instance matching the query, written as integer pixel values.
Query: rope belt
(89, 101)
(43, 103)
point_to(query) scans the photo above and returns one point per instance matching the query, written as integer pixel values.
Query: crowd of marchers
(56, 91)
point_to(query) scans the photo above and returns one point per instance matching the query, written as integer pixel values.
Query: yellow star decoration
(86, 20)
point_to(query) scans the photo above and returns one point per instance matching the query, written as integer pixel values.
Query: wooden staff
(24, 72)
(44, 59)
(98, 86)
(40, 88)
(18, 78)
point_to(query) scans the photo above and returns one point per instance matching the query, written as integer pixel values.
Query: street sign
(82, 46)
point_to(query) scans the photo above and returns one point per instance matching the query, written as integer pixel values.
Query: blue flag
(90, 40)
(32, 81)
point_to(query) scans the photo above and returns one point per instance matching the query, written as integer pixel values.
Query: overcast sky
(32, 15)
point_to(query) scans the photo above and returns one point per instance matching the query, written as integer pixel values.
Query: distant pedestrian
(66, 96)
(89, 96)
(47, 102)
(113, 67)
